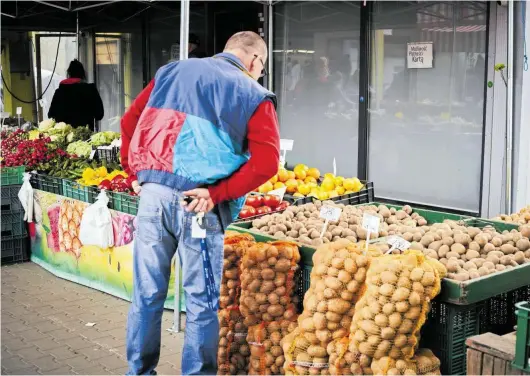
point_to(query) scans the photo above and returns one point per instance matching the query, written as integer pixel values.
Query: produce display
(469, 252)
(521, 217)
(337, 281)
(304, 225)
(304, 181)
(257, 204)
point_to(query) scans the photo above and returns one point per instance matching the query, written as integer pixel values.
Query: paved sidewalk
(44, 327)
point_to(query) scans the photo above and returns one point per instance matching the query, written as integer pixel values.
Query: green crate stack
(14, 235)
(124, 202)
(47, 183)
(72, 189)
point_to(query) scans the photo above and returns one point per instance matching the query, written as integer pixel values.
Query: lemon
(328, 184)
(304, 189)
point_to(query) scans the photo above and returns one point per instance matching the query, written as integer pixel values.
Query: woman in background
(76, 102)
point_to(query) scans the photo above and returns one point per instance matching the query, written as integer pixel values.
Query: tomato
(283, 205)
(105, 184)
(271, 201)
(254, 201)
(263, 210)
(247, 211)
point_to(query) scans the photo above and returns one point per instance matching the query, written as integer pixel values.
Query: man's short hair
(247, 41)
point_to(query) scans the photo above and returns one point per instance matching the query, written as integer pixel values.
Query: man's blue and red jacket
(202, 121)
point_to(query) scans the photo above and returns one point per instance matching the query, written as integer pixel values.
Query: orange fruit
(265, 187)
(310, 179)
(279, 185)
(299, 181)
(304, 189)
(300, 167)
(313, 172)
(283, 175)
(300, 174)
(291, 185)
(291, 175)
(274, 179)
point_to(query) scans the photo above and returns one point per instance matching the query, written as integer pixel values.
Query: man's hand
(136, 187)
(201, 200)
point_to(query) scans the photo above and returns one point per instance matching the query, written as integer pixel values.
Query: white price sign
(398, 242)
(286, 144)
(330, 213)
(19, 110)
(370, 222)
(278, 193)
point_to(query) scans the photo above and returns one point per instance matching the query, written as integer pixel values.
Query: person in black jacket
(76, 102)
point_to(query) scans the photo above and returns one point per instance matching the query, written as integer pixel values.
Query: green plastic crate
(522, 342)
(10, 201)
(12, 175)
(124, 202)
(13, 224)
(15, 249)
(498, 225)
(47, 183)
(79, 192)
(431, 216)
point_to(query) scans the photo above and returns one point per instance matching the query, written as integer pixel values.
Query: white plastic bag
(25, 195)
(96, 224)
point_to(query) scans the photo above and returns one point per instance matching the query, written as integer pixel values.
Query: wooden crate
(491, 354)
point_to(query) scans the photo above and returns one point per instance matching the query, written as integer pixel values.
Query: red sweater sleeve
(263, 138)
(129, 122)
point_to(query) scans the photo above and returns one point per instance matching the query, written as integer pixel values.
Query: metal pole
(184, 31)
(509, 110)
(270, 40)
(77, 33)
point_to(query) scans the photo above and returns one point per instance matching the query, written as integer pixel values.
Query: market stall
(325, 240)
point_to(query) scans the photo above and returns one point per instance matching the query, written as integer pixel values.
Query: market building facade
(404, 94)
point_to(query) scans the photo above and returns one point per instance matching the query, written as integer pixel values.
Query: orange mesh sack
(235, 244)
(266, 352)
(345, 359)
(394, 307)
(423, 363)
(233, 351)
(267, 282)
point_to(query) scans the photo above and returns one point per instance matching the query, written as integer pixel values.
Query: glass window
(316, 54)
(425, 139)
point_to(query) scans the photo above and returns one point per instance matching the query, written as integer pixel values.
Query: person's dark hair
(76, 70)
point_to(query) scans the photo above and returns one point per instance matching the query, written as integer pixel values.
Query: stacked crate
(14, 235)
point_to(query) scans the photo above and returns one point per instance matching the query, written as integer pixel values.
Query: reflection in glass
(425, 142)
(315, 56)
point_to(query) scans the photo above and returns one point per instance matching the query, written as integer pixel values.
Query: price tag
(92, 154)
(370, 222)
(5, 115)
(278, 193)
(196, 231)
(330, 213)
(398, 242)
(19, 110)
(286, 144)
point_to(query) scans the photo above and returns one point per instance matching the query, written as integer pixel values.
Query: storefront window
(315, 56)
(426, 121)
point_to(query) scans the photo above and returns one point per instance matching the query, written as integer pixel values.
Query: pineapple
(71, 213)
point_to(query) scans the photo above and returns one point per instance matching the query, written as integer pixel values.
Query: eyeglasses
(264, 70)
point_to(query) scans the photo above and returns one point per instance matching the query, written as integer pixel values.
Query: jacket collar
(233, 58)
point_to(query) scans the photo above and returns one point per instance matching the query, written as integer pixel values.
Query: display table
(55, 247)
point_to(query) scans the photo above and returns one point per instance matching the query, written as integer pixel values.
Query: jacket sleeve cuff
(216, 194)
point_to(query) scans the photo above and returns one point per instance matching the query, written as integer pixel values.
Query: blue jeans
(163, 228)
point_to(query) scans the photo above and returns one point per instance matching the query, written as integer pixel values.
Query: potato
(519, 257)
(523, 244)
(508, 249)
(458, 247)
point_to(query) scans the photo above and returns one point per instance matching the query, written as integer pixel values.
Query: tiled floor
(44, 327)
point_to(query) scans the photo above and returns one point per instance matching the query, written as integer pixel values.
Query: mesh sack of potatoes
(233, 351)
(304, 358)
(389, 315)
(266, 352)
(268, 282)
(424, 362)
(345, 359)
(235, 244)
(470, 252)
